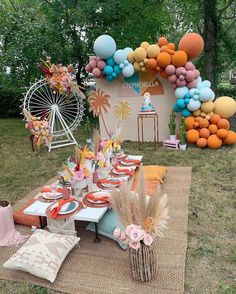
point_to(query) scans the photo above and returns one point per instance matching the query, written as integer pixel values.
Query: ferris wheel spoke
(46, 93)
(40, 98)
(69, 119)
(63, 100)
(68, 105)
(71, 113)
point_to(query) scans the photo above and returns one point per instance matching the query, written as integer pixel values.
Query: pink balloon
(96, 72)
(88, 68)
(172, 78)
(181, 83)
(101, 64)
(174, 86)
(92, 58)
(92, 64)
(190, 75)
(189, 66)
(180, 71)
(197, 73)
(181, 77)
(170, 69)
(192, 84)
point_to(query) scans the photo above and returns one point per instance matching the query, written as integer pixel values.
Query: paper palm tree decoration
(122, 110)
(99, 103)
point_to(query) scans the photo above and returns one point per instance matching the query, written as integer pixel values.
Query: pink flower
(123, 236)
(129, 228)
(134, 245)
(117, 232)
(78, 175)
(148, 239)
(136, 234)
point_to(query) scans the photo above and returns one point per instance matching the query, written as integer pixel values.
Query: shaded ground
(211, 254)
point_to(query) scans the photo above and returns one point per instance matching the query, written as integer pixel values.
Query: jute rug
(104, 267)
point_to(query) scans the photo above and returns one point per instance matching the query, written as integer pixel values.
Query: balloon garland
(195, 98)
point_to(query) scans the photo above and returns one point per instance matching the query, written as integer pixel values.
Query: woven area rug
(104, 267)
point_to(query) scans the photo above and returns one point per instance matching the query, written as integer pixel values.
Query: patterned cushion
(42, 254)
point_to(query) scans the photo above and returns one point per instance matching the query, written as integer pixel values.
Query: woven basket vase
(143, 262)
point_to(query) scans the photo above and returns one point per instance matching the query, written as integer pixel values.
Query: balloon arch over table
(206, 117)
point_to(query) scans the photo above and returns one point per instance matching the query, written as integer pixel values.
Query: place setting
(97, 199)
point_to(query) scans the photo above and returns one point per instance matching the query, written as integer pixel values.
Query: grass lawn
(211, 254)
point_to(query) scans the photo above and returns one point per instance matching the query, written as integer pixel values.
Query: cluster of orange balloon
(211, 133)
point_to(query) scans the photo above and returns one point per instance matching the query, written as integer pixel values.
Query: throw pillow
(42, 254)
(153, 173)
(107, 225)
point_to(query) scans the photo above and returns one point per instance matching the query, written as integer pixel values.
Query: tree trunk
(210, 36)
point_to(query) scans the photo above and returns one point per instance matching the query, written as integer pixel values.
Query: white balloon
(193, 105)
(128, 70)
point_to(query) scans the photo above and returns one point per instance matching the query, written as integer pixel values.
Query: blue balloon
(114, 75)
(180, 103)
(193, 105)
(186, 112)
(128, 49)
(187, 96)
(120, 56)
(126, 62)
(206, 94)
(117, 69)
(186, 100)
(108, 70)
(207, 83)
(128, 71)
(109, 78)
(104, 46)
(110, 61)
(180, 92)
(195, 97)
(176, 108)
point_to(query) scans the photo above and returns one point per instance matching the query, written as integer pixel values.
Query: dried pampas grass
(151, 213)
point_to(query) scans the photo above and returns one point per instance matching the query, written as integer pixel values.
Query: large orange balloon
(201, 142)
(163, 59)
(162, 41)
(213, 142)
(223, 124)
(179, 58)
(151, 63)
(230, 138)
(192, 136)
(192, 44)
(204, 133)
(189, 121)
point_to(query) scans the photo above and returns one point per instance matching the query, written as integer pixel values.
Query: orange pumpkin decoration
(192, 44)
(179, 58)
(201, 142)
(162, 41)
(192, 136)
(223, 124)
(163, 59)
(213, 129)
(203, 123)
(230, 138)
(215, 118)
(189, 121)
(151, 63)
(222, 133)
(204, 133)
(213, 142)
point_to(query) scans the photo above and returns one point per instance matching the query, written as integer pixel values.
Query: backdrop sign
(140, 83)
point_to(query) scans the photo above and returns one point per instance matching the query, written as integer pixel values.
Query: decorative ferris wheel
(64, 112)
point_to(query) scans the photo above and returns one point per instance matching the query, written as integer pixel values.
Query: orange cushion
(151, 186)
(153, 173)
(25, 219)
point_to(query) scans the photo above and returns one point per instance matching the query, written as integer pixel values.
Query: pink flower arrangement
(134, 235)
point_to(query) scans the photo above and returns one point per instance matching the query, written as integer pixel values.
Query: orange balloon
(204, 133)
(163, 59)
(171, 46)
(198, 118)
(203, 123)
(201, 142)
(162, 41)
(215, 118)
(179, 58)
(196, 124)
(189, 121)
(164, 48)
(213, 129)
(223, 124)
(222, 133)
(192, 44)
(192, 136)
(163, 74)
(213, 142)
(151, 63)
(230, 138)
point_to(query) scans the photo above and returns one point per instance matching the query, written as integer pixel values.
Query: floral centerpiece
(144, 218)
(39, 129)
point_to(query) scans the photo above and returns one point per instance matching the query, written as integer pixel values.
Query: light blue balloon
(176, 108)
(117, 69)
(120, 56)
(128, 71)
(180, 103)
(122, 65)
(128, 49)
(126, 62)
(108, 70)
(104, 46)
(193, 105)
(192, 92)
(195, 97)
(200, 85)
(213, 97)
(206, 94)
(180, 92)
(199, 79)
(207, 83)
(186, 112)
(110, 61)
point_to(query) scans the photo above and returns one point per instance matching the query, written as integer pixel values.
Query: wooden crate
(171, 144)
